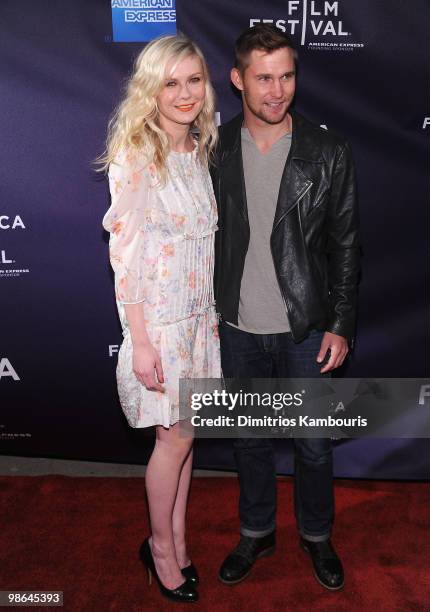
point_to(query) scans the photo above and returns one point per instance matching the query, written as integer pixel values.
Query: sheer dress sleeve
(125, 221)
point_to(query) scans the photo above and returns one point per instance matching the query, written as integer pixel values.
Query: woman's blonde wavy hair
(135, 122)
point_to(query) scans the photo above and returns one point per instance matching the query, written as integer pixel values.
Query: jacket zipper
(302, 195)
(284, 299)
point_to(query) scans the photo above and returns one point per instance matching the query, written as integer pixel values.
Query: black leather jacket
(314, 240)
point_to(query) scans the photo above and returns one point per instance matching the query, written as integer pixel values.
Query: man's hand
(338, 351)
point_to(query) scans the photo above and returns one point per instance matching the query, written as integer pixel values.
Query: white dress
(162, 252)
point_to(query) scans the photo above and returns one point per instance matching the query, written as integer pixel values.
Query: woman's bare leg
(162, 482)
(180, 510)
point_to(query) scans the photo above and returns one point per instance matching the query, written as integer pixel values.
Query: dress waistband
(194, 314)
(192, 235)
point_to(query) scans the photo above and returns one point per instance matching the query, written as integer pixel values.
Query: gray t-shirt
(261, 305)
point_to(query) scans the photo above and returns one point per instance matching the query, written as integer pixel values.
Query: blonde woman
(162, 222)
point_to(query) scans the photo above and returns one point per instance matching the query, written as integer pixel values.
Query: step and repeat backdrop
(363, 72)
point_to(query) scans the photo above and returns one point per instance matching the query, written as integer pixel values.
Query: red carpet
(81, 536)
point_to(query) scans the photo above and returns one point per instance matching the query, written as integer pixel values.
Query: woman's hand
(147, 367)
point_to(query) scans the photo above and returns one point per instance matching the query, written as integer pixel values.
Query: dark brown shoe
(328, 568)
(237, 566)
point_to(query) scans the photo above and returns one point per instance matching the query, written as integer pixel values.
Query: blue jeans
(246, 355)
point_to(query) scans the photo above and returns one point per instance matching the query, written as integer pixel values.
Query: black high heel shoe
(190, 573)
(185, 592)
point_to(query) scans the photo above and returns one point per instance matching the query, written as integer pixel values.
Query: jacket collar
(302, 141)
(295, 181)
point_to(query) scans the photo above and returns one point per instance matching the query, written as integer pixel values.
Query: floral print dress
(162, 253)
